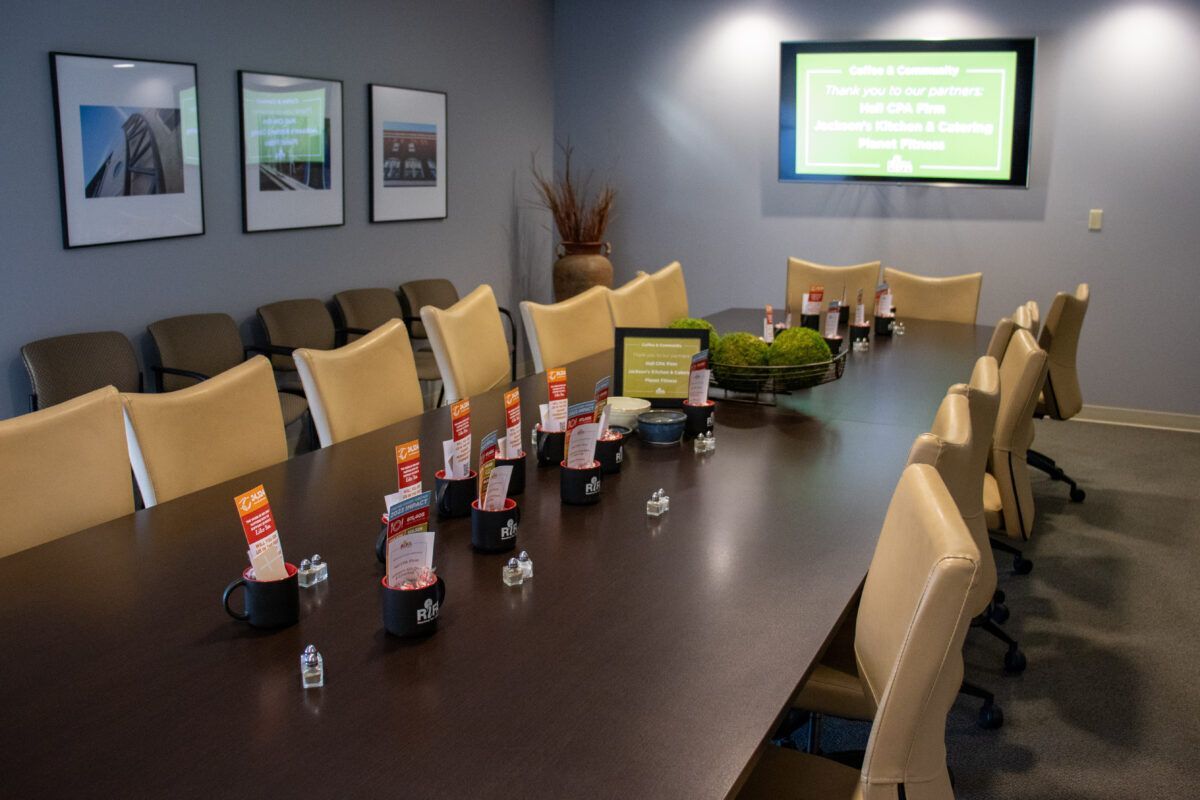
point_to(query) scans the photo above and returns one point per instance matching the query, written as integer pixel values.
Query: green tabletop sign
(656, 367)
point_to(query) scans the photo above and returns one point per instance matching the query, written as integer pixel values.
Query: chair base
(1014, 659)
(1021, 565)
(1043, 462)
(991, 716)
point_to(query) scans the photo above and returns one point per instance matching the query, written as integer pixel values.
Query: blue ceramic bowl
(661, 427)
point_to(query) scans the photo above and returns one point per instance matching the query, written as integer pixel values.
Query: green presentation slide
(911, 115)
(285, 127)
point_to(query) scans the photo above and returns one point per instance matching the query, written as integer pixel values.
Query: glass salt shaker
(526, 565)
(665, 499)
(512, 573)
(306, 574)
(312, 668)
(654, 506)
(320, 568)
(710, 442)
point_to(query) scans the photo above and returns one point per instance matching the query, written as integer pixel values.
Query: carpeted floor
(1109, 706)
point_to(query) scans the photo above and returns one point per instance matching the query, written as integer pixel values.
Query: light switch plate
(1095, 219)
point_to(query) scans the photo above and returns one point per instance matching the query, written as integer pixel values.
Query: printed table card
(497, 488)
(487, 460)
(600, 398)
(408, 469)
(258, 524)
(556, 392)
(512, 424)
(698, 379)
(460, 427)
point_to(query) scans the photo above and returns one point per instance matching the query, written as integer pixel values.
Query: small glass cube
(654, 506)
(512, 573)
(312, 668)
(320, 568)
(306, 574)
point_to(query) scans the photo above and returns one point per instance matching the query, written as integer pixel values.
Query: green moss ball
(691, 323)
(796, 347)
(740, 349)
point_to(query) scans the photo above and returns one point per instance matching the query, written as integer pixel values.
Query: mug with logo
(268, 604)
(699, 418)
(579, 486)
(453, 496)
(610, 451)
(516, 484)
(412, 612)
(550, 446)
(495, 531)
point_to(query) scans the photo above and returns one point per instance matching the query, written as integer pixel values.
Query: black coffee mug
(699, 418)
(550, 447)
(412, 612)
(516, 484)
(835, 344)
(453, 496)
(812, 321)
(268, 604)
(495, 531)
(579, 487)
(860, 332)
(883, 326)
(610, 453)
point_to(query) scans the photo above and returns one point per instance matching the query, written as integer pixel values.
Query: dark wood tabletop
(646, 658)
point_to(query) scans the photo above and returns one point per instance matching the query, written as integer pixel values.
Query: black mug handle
(517, 514)
(381, 545)
(441, 590)
(243, 616)
(442, 489)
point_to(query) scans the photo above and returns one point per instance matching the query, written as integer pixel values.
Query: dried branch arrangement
(577, 217)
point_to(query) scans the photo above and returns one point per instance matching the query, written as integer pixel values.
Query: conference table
(646, 658)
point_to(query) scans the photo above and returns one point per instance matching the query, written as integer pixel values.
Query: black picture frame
(175, 207)
(259, 206)
(405, 203)
(675, 399)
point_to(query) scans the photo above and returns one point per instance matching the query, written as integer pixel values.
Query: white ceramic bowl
(624, 410)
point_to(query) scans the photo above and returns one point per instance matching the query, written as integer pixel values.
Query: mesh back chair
(570, 330)
(468, 342)
(437, 293)
(64, 367)
(195, 347)
(634, 305)
(193, 438)
(63, 469)
(912, 619)
(952, 299)
(803, 274)
(368, 384)
(671, 293)
(1061, 397)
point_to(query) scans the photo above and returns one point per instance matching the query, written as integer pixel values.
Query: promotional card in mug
(460, 427)
(577, 415)
(556, 392)
(487, 460)
(831, 320)
(408, 469)
(450, 467)
(497, 488)
(581, 445)
(600, 398)
(769, 325)
(813, 300)
(860, 313)
(883, 300)
(407, 555)
(258, 524)
(698, 379)
(512, 423)
(409, 516)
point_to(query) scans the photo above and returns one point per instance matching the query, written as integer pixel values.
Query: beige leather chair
(634, 305)
(1007, 496)
(1023, 319)
(368, 384)
(670, 292)
(193, 438)
(63, 469)
(1061, 396)
(568, 331)
(957, 446)
(912, 620)
(469, 344)
(801, 275)
(1035, 316)
(952, 299)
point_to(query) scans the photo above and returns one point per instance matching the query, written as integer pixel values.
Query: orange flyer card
(556, 394)
(460, 429)
(408, 469)
(512, 422)
(257, 520)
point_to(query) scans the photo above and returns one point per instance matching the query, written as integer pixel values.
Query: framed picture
(408, 154)
(654, 363)
(291, 152)
(128, 149)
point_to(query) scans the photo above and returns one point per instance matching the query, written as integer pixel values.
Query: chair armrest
(268, 349)
(159, 372)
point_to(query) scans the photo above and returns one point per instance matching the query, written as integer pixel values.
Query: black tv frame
(1025, 48)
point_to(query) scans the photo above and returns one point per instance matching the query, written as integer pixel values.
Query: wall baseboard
(1140, 418)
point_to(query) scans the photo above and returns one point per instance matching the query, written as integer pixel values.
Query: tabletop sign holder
(656, 357)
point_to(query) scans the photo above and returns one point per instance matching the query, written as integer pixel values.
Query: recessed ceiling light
(124, 65)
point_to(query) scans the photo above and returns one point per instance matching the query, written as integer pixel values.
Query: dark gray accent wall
(677, 101)
(494, 61)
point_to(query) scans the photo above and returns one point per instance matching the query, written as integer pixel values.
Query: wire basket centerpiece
(781, 379)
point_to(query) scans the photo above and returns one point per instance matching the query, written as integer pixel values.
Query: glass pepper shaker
(320, 568)
(665, 499)
(654, 506)
(312, 668)
(526, 565)
(512, 573)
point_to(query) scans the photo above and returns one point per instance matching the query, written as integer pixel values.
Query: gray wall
(677, 101)
(493, 60)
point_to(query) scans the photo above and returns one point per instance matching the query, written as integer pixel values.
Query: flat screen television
(954, 112)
